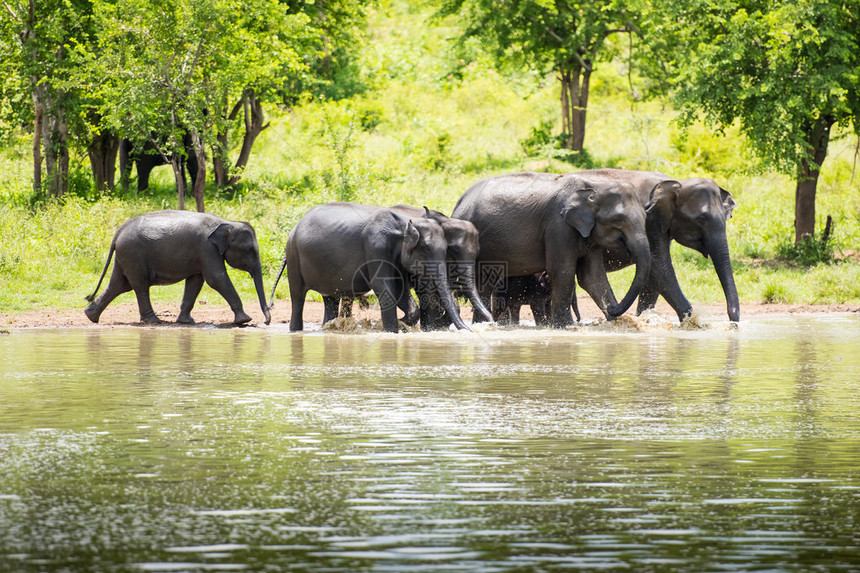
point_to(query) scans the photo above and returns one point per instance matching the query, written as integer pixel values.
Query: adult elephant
(146, 157)
(531, 222)
(165, 247)
(346, 250)
(695, 216)
(462, 240)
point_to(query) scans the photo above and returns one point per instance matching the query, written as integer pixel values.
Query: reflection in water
(515, 450)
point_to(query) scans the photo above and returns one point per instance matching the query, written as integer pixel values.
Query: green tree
(786, 71)
(324, 65)
(35, 64)
(566, 37)
(166, 67)
(337, 28)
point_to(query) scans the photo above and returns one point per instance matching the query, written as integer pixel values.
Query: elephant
(146, 158)
(695, 216)
(533, 222)
(462, 239)
(165, 247)
(347, 249)
(534, 290)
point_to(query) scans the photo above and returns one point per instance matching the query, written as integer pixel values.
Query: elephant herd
(511, 239)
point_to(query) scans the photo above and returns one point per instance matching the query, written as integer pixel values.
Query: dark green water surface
(202, 449)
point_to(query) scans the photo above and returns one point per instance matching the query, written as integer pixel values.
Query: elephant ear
(411, 236)
(580, 211)
(728, 202)
(437, 216)
(220, 237)
(663, 202)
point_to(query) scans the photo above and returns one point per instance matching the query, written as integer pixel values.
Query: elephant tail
(92, 297)
(272, 298)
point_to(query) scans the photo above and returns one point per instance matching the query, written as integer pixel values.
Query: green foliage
(419, 136)
(333, 70)
(808, 252)
(709, 151)
(775, 292)
(777, 68)
(168, 74)
(541, 143)
(542, 35)
(539, 140)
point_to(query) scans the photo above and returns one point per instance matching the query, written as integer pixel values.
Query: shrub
(808, 252)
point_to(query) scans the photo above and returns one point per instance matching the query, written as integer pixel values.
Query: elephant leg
(514, 308)
(147, 313)
(193, 284)
(345, 310)
(297, 305)
(663, 280)
(538, 308)
(219, 280)
(411, 311)
(144, 168)
(330, 304)
(499, 306)
(647, 298)
(430, 312)
(563, 273)
(574, 305)
(117, 285)
(591, 273)
(504, 304)
(385, 288)
(298, 292)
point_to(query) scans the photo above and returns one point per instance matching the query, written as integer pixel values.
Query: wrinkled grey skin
(534, 222)
(462, 239)
(165, 247)
(694, 215)
(346, 250)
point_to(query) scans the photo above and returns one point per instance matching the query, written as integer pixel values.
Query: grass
(428, 126)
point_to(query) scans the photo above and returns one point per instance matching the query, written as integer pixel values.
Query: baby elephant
(165, 247)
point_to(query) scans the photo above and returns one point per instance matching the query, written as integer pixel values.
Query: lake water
(204, 449)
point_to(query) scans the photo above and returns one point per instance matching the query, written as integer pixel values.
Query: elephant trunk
(261, 293)
(718, 250)
(642, 258)
(446, 299)
(479, 311)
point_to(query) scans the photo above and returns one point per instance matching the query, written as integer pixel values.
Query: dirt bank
(219, 313)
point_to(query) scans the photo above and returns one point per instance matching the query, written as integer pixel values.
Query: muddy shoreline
(219, 314)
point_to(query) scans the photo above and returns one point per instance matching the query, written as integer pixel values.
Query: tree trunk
(38, 110)
(220, 159)
(179, 175)
(254, 126)
(565, 107)
(200, 182)
(575, 84)
(579, 103)
(807, 179)
(102, 152)
(55, 131)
